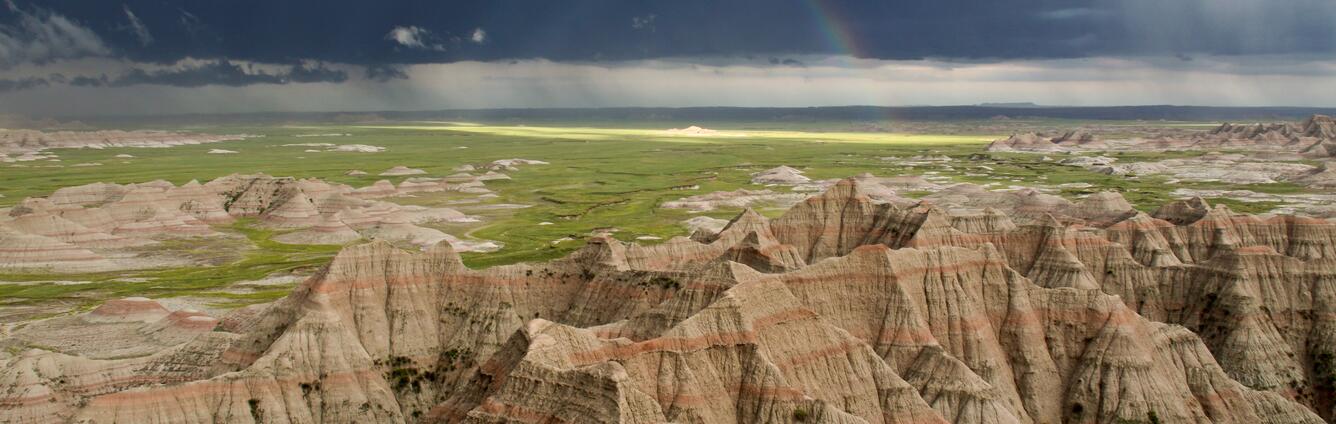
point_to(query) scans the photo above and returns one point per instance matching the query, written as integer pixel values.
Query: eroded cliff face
(843, 310)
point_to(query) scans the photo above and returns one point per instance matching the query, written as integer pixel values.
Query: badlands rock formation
(734, 199)
(1034, 142)
(102, 226)
(691, 130)
(402, 170)
(780, 175)
(705, 224)
(1314, 137)
(1230, 168)
(132, 326)
(880, 188)
(1025, 142)
(331, 147)
(357, 148)
(18, 142)
(1322, 176)
(843, 310)
(512, 164)
(696, 131)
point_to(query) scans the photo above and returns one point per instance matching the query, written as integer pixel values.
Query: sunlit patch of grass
(726, 136)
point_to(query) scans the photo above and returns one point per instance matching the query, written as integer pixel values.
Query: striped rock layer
(843, 310)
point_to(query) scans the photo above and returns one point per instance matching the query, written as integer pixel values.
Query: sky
(107, 57)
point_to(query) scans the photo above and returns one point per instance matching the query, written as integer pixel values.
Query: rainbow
(834, 27)
(839, 35)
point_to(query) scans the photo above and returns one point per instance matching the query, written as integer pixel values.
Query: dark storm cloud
(315, 73)
(421, 31)
(215, 73)
(22, 84)
(86, 81)
(385, 72)
(219, 72)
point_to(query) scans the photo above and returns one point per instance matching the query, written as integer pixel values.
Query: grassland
(597, 178)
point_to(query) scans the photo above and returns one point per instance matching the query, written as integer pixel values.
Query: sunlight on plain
(591, 133)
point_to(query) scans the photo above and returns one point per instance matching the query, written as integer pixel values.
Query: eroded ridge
(843, 310)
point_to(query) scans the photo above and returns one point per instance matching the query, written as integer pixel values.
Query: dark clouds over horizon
(196, 43)
(355, 32)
